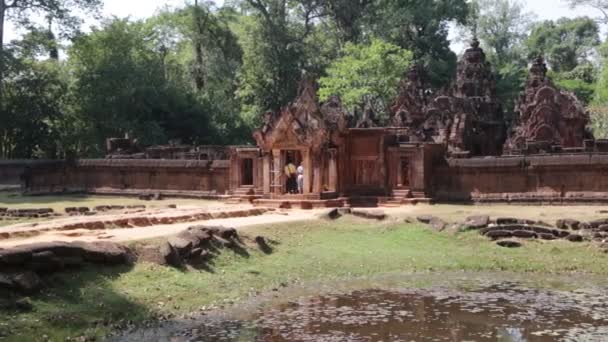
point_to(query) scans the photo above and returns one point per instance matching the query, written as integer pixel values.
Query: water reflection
(503, 312)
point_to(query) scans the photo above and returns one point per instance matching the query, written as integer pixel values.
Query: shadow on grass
(16, 198)
(81, 302)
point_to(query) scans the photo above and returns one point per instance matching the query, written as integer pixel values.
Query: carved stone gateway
(547, 115)
(306, 133)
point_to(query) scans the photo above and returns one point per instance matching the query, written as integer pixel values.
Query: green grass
(58, 203)
(308, 252)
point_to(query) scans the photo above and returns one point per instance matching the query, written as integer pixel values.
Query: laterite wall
(106, 174)
(556, 178)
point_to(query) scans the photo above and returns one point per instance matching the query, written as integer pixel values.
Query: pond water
(466, 311)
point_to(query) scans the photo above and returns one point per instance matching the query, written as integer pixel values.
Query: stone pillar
(333, 169)
(306, 161)
(266, 173)
(277, 173)
(317, 186)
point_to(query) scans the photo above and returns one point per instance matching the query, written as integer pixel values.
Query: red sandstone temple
(451, 146)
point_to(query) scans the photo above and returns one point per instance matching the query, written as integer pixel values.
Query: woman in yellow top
(291, 173)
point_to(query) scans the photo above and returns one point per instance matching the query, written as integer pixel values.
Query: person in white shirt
(301, 179)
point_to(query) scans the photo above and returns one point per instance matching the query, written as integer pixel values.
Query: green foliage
(584, 91)
(366, 70)
(32, 96)
(565, 43)
(599, 108)
(421, 27)
(501, 26)
(122, 88)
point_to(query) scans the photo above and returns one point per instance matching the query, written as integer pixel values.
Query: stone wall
(124, 176)
(11, 170)
(563, 178)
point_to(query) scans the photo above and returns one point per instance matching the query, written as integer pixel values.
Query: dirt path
(141, 233)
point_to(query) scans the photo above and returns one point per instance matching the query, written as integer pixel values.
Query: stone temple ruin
(449, 146)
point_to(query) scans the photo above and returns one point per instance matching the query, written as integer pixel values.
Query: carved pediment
(548, 114)
(299, 124)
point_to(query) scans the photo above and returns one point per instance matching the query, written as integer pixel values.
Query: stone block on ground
(524, 234)
(438, 224)
(169, 255)
(545, 236)
(369, 214)
(597, 223)
(151, 254)
(27, 282)
(568, 224)
(499, 234)
(507, 220)
(477, 222)
(426, 219)
(333, 214)
(575, 238)
(509, 243)
(181, 246)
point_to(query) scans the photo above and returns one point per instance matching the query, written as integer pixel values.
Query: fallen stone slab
(182, 246)
(509, 243)
(333, 214)
(426, 219)
(597, 223)
(568, 224)
(499, 234)
(524, 234)
(33, 256)
(438, 224)
(575, 238)
(169, 255)
(507, 220)
(545, 236)
(26, 282)
(477, 222)
(369, 214)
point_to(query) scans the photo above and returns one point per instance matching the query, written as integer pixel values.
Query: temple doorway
(247, 172)
(405, 173)
(292, 159)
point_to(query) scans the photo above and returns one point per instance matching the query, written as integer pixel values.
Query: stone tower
(547, 115)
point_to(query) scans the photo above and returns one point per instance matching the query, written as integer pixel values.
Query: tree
(600, 5)
(33, 96)
(371, 71)
(21, 10)
(565, 43)
(422, 27)
(347, 15)
(501, 26)
(274, 52)
(122, 87)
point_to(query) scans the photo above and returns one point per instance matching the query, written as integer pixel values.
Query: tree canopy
(368, 72)
(203, 74)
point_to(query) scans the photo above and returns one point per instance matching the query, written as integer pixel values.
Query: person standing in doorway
(301, 179)
(290, 172)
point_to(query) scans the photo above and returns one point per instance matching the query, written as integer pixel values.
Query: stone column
(317, 169)
(266, 173)
(307, 170)
(277, 173)
(333, 169)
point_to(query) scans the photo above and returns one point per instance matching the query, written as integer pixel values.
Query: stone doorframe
(236, 168)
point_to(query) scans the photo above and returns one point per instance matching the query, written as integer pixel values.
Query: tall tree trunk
(199, 73)
(2, 13)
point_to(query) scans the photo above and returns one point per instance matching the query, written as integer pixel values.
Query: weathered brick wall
(551, 178)
(11, 170)
(90, 175)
